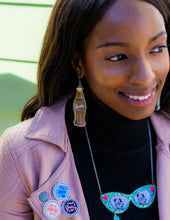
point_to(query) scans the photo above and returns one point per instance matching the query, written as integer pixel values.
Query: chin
(139, 116)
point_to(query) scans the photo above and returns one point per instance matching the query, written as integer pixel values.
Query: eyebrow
(110, 44)
(124, 44)
(157, 36)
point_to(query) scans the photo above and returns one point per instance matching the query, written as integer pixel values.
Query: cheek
(103, 73)
(163, 74)
(162, 67)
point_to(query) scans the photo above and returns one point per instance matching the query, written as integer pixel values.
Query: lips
(140, 98)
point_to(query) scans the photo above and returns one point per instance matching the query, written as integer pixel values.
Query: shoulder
(161, 124)
(47, 125)
(25, 146)
(14, 138)
(162, 118)
(15, 134)
(10, 178)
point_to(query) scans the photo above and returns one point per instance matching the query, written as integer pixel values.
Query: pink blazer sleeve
(13, 202)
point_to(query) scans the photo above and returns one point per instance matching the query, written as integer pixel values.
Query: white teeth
(140, 98)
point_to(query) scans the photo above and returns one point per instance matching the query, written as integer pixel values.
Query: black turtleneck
(122, 155)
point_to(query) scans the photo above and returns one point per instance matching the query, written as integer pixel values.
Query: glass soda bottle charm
(79, 107)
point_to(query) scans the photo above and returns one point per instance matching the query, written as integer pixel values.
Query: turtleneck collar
(112, 129)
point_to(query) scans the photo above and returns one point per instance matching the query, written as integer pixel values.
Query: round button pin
(70, 207)
(61, 191)
(43, 197)
(52, 209)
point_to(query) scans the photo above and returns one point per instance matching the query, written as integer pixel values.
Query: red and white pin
(52, 209)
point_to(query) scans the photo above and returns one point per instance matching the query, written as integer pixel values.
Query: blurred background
(22, 27)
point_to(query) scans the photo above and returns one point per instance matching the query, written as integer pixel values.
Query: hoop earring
(79, 107)
(158, 105)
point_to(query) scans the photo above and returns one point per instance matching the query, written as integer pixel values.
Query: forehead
(130, 9)
(127, 17)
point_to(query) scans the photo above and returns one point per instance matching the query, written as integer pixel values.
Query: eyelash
(120, 57)
(160, 49)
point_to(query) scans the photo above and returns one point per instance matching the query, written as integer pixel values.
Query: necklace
(117, 202)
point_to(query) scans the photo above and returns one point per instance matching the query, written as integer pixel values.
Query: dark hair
(70, 23)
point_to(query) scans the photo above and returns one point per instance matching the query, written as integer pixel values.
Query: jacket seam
(18, 180)
(17, 167)
(27, 148)
(11, 190)
(164, 151)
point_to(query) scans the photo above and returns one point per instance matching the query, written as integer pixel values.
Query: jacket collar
(161, 122)
(49, 125)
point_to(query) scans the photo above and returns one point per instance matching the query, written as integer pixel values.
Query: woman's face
(126, 58)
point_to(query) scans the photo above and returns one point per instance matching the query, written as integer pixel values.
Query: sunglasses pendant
(118, 203)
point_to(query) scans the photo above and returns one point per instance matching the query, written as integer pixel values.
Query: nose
(141, 72)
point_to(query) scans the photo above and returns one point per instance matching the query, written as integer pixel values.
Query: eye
(117, 58)
(158, 49)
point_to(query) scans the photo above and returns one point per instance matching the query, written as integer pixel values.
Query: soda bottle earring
(79, 107)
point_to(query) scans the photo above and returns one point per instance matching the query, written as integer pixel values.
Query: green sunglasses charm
(118, 203)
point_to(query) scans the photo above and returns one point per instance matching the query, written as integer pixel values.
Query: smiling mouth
(140, 98)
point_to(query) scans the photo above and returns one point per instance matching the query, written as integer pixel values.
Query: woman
(63, 161)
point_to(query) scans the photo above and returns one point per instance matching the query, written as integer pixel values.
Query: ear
(77, 64)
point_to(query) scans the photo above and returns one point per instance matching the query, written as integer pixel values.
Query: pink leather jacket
(36, 156)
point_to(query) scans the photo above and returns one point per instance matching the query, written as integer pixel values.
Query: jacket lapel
(49, 126)
(161, 126)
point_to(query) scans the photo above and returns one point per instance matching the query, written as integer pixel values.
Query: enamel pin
(70, 207)
(61, 191)
(52, 209)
